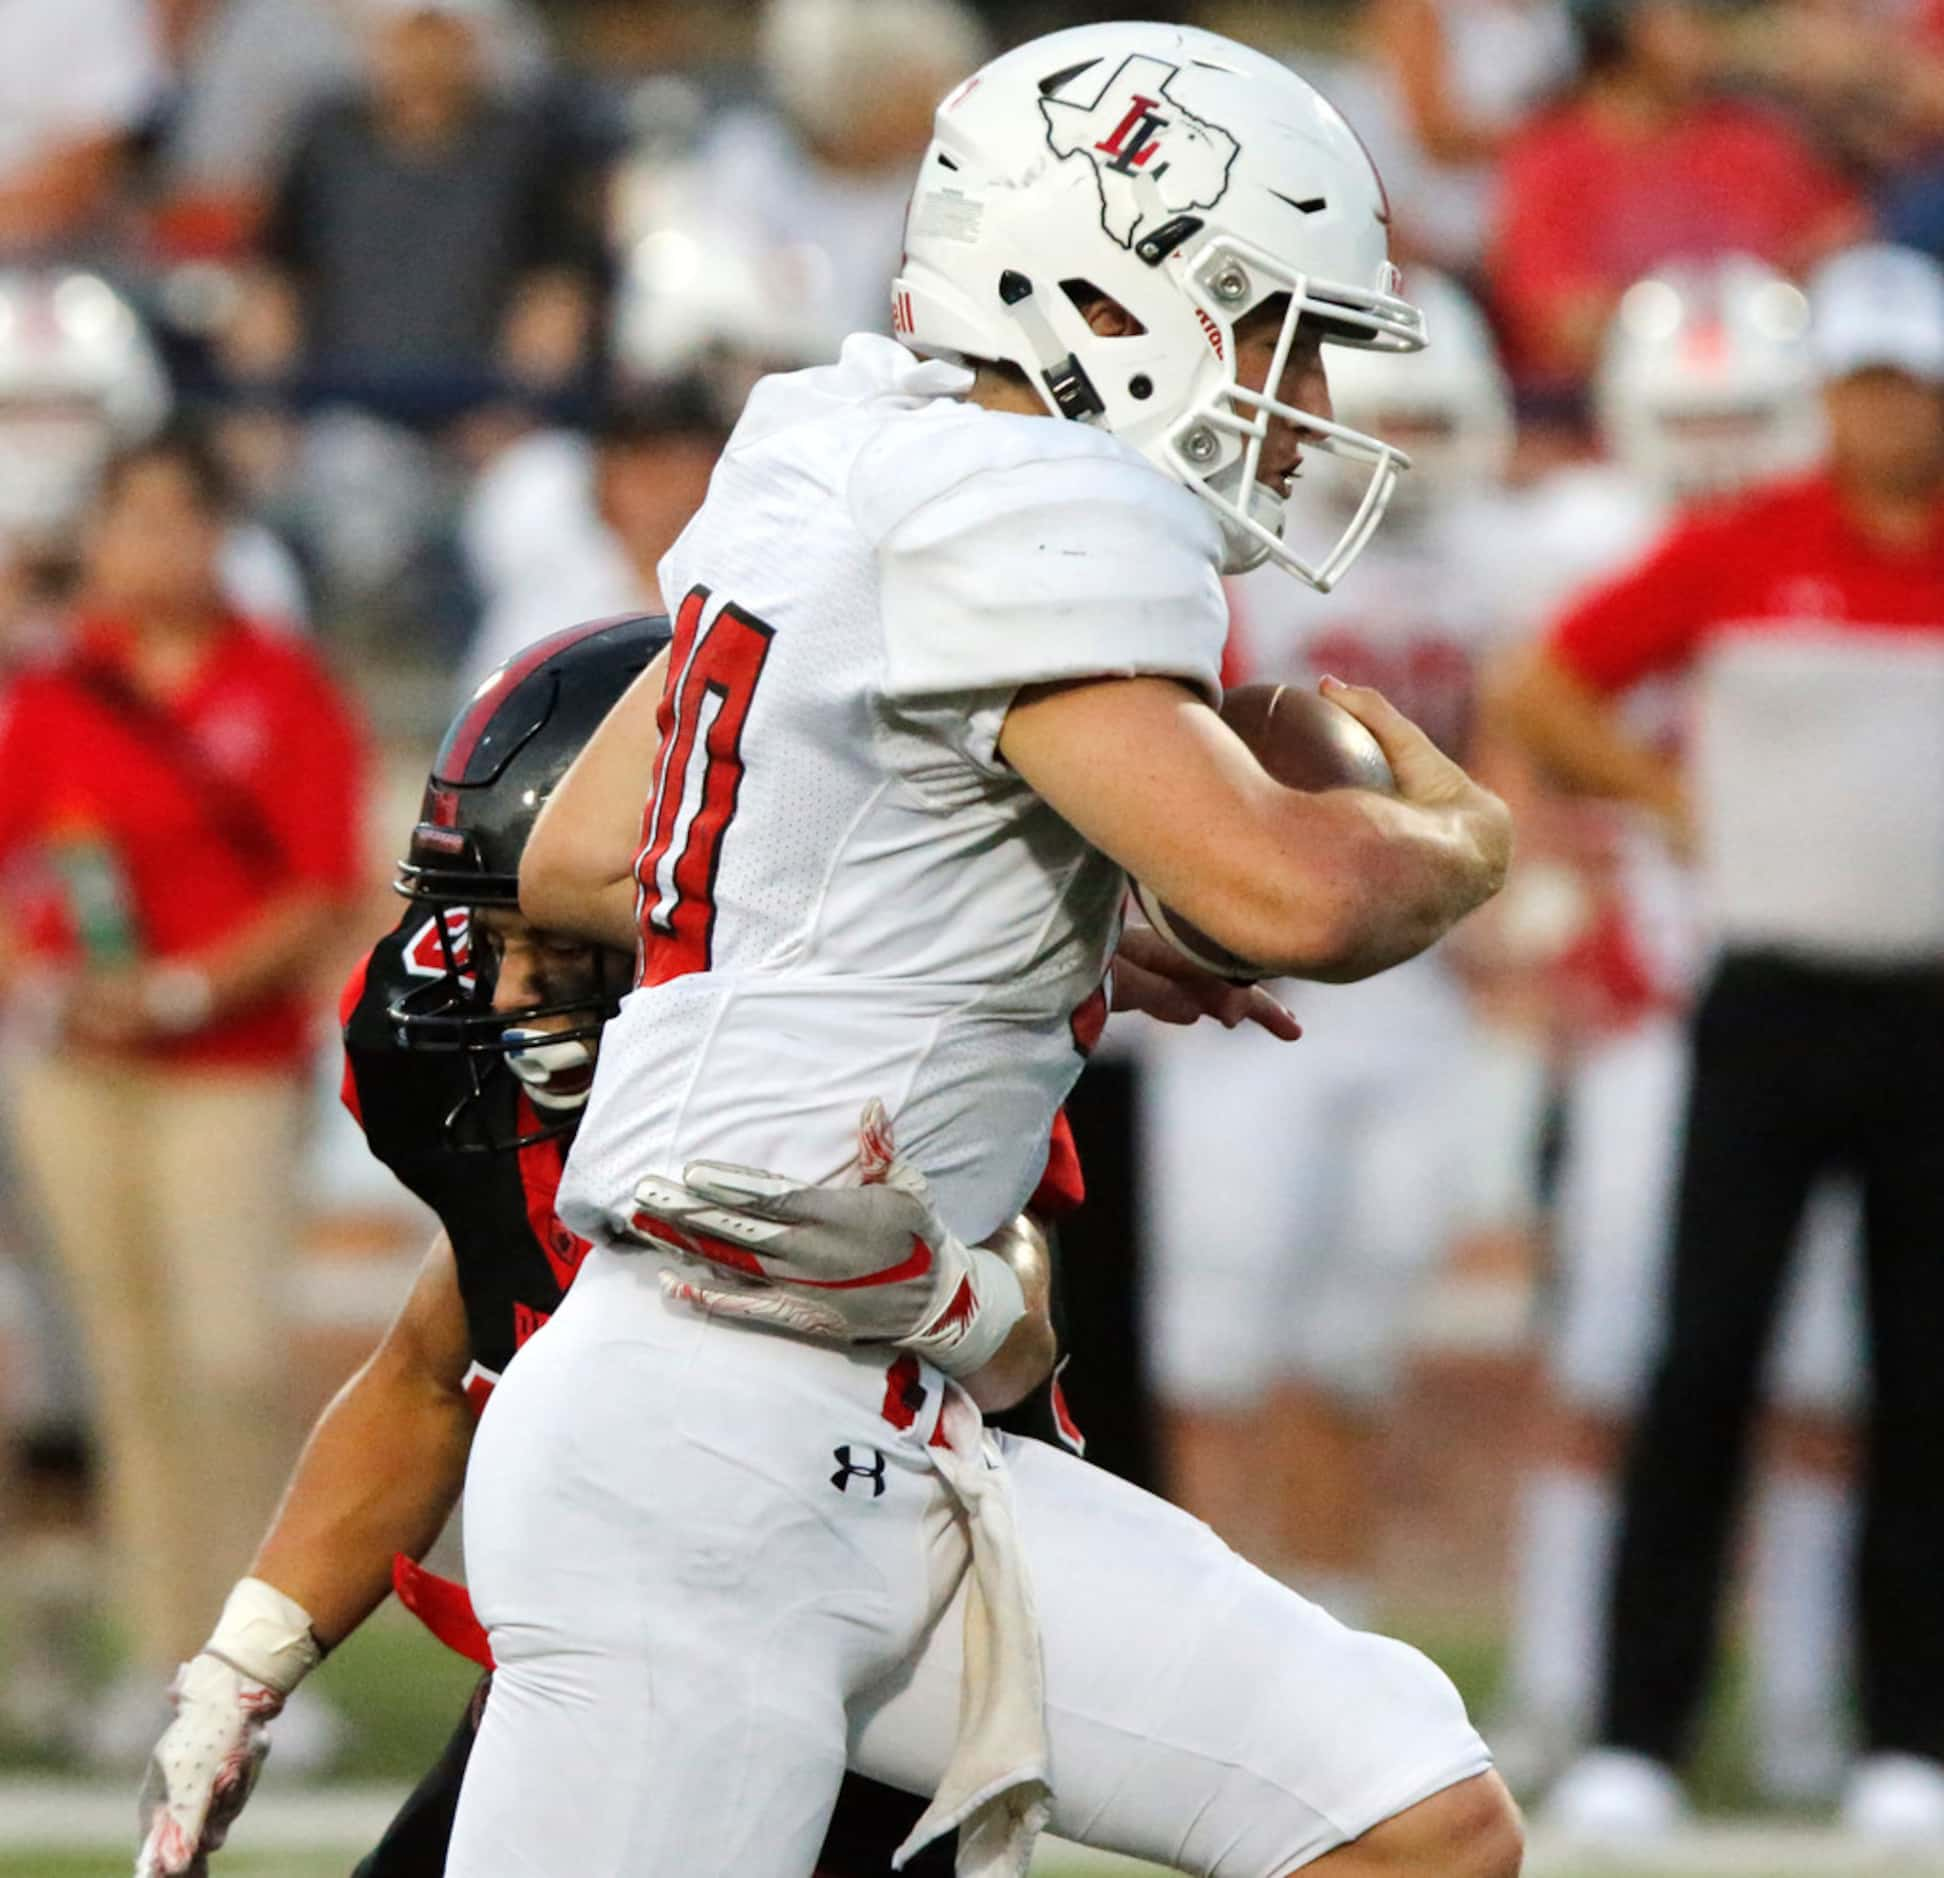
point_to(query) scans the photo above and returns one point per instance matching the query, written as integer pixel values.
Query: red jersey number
(712, 677)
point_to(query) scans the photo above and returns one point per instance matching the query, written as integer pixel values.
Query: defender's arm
(380, 1475)
(384, 1465)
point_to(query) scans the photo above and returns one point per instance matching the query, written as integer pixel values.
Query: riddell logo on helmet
(1151, 156)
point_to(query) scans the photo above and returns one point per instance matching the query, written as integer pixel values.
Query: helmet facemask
(548, 1047)
(1215, 446)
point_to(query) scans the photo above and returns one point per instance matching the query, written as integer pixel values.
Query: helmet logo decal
(1151, 156)
(429, 954)
(1213, 332)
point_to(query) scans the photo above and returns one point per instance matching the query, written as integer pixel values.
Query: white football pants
(709, 1559)
(1299, 1194)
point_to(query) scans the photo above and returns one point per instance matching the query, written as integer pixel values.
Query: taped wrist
(266, 1636)
(978, 1318)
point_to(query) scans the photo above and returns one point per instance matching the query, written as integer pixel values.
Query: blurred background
(409, 330)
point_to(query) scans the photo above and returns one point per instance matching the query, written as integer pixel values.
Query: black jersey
(515, 1259)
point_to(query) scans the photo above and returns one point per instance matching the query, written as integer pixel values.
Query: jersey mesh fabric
(896, 914)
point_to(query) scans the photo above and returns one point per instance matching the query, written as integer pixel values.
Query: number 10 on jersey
(712, 675)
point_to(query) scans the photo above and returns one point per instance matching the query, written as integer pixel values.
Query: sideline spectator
(78, 79)
(79, 379)
(250, 72)
(180, 799)
(577, 531)
(424, 238)
(1643, 165)
(423, 260)
(1811, 615)
(1456, 79)
(858, 82)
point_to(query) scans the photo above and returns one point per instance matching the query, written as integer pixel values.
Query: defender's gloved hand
(872, 1263)
(207, 1761)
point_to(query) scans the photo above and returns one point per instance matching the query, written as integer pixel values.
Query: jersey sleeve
(1646, 620)
(1014, 551)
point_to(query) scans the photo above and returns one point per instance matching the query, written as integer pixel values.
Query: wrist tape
(1001, 1304)
(266, 1636)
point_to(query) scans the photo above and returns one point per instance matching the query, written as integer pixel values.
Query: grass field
(1780, 1859)
(402, 1695)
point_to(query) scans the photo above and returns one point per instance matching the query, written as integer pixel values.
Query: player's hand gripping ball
(1305, 741)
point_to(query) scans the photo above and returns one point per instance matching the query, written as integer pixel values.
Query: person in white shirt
(1705, 383)
(77, 82)
(565, 526)
(947, 630)
(1273, 1417)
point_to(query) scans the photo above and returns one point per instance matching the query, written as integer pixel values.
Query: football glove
(873, 1263)
(207, 1761)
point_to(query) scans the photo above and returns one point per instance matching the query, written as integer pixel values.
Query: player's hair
(646, 414)
(185, 446)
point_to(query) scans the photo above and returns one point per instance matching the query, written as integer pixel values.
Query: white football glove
(872, 1263)
(203, 1768)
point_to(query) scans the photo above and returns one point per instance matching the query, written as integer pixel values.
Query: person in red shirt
(1639, 166)
(180, 819)
(1810, 619)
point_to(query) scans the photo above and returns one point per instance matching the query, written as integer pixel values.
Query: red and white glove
(207, 1761)
(873, 1263)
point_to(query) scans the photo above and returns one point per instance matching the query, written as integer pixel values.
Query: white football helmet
(693, 302)
(1706, 381)
(1452, 401)
(827, 61)
(1191, 180)
(78, 379)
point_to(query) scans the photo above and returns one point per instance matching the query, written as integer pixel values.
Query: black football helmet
(500, 761)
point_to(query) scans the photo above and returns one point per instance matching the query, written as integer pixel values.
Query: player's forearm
(577, 871)
(1405, 876)
(1577, 737)
(1028, 1355)
(380, 1475)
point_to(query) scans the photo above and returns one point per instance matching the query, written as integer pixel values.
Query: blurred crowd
(407, 258)
(347, 346)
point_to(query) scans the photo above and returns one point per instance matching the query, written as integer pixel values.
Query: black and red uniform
(514, 1261)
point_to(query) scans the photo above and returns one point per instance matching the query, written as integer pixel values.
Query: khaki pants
(166, 1196)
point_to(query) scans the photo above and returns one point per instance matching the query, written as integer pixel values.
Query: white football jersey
(844, 891)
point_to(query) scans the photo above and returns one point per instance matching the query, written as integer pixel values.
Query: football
(1305, 742)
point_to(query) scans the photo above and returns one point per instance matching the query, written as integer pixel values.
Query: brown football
(1305, 742)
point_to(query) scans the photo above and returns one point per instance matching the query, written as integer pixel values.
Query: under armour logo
(848, 1470)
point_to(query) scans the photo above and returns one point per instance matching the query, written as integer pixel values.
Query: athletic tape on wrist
(265, 1635)
(1001, 1304)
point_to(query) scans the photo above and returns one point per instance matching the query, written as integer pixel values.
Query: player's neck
(1004, 388)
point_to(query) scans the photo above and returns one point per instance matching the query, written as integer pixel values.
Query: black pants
(1798, 1071)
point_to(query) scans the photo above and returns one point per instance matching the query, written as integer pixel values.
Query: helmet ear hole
(1106, 315)
(1140, 386)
